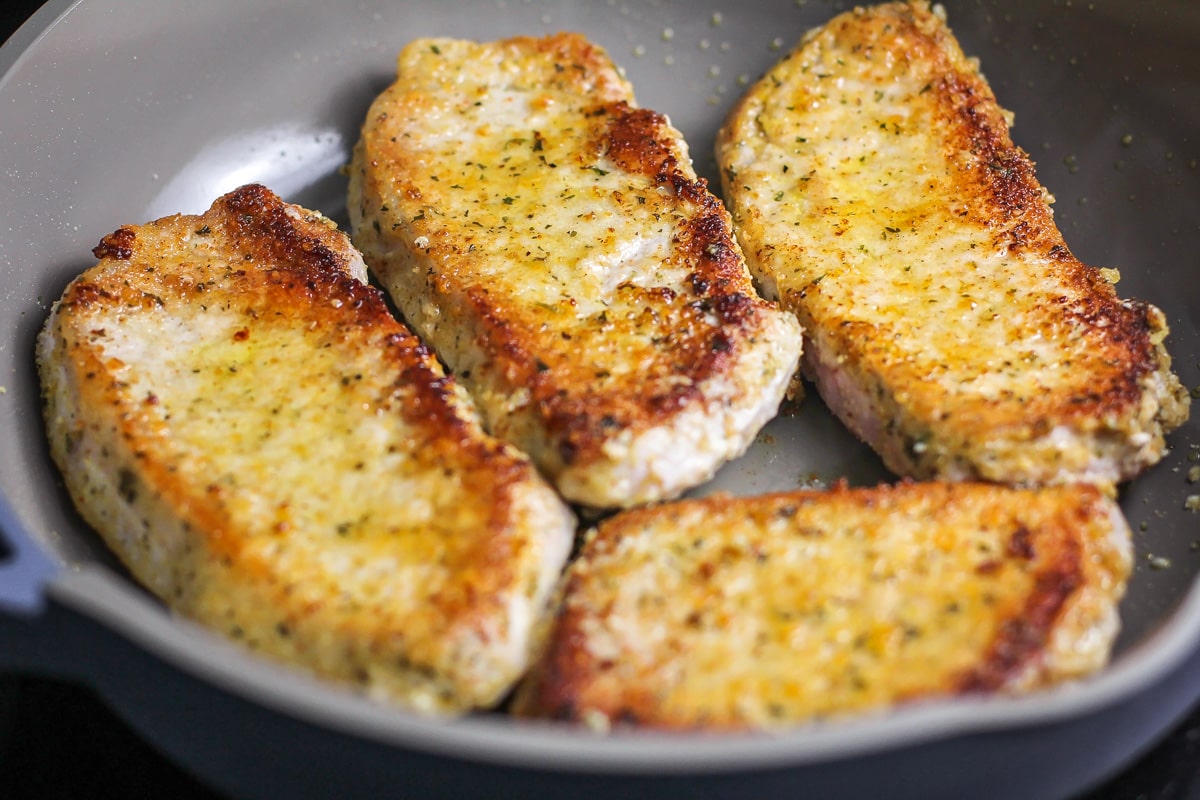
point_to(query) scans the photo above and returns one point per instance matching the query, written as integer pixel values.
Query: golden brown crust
(949, 324)
(270, 451)
(735, 613)
(998, 190)
(692, 337)
(566, 255)
(1023, 637)
(294, 272)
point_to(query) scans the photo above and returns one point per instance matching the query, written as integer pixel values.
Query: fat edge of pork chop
(270, 452)
(769, 612)
(554, 245)
(877, 193)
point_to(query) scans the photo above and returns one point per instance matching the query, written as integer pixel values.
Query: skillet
(122, 112)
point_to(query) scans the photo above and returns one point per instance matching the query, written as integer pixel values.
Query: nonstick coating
(114, 113)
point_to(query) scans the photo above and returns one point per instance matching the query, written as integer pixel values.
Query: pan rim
(99, 593)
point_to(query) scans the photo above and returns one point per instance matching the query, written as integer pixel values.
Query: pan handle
(24, 568)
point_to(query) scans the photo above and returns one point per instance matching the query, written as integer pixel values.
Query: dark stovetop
(59, 740)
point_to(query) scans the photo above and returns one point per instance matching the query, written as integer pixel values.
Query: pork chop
(768, 612)
(270, 452)
(878, 195)
(553, 244)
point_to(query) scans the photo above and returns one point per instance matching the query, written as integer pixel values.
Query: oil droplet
(1127, 140)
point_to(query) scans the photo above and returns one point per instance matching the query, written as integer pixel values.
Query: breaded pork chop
(272, 453)
(760, 613)
(877, 193)
(552, 242)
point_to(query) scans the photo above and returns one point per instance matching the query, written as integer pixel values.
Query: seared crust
(246, 425)
(554, 245)
(759, 613)
(878, 194)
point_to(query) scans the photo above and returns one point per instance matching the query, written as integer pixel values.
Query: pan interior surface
(123, 112)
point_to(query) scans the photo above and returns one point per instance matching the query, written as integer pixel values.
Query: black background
(59, 740)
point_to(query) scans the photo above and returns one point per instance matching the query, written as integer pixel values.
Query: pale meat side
(770, 612)
(877, 193)
(270, 452)
(552, 242)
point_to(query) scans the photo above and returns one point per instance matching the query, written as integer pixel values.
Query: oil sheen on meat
(769, 612)
(270, 452)
(877, 193)
(553, 244)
